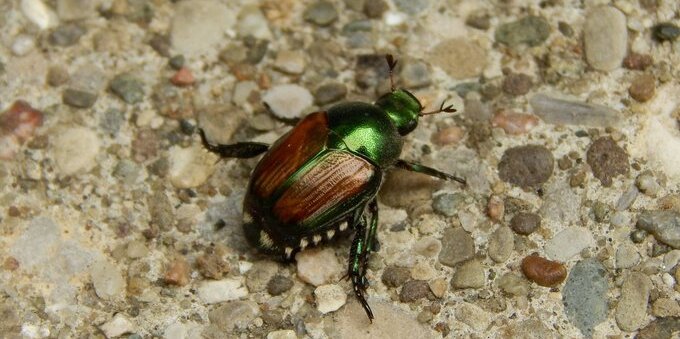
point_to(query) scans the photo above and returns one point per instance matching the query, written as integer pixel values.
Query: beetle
(322, 177)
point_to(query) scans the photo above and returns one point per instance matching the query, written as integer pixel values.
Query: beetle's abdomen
(334, 178)
(289, 153)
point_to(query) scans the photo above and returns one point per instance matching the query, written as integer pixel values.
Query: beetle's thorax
(403, 109)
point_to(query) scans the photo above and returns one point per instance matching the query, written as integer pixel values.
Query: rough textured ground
(114, 222)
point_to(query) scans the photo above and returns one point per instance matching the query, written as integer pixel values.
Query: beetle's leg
(357, 262)
(237, 150)
(409, 166)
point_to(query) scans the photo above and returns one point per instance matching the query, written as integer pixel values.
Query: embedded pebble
(647, 184)
(76, 9)
(330, 92)
(38, 13)
(438, 287)
(474, 316)
(329, 298)
(448, 136)
(514, 284)
(626, 199)
(631, 310)
(57, 76)
(428, 247)
(128, 88)
(605, 37)
(585, 295)
(199, 25)
(568, 243)
(627, 256)
(22, 45)
(666, 31)
(530, 30)
(183, 77)
(282, 334)
(411, 7)
(660, 328)
(469, 275)
(395, 276)
(514, 123)
(78, 98)
(217, 291)
(457, 246)
(190, 167)
(390, 322)
(177, 272)
(414, 74)
(665, 307)
(233, 315)
(279, 285)
(259, 276)
(66, 35)
(321, 13)
(664, 225)
(642, 87)
(291, 62)
(543, 271)
(252, 23)
(288, 101)
(566, 112)
(459, 58)
(517, 84)
(107, 280)
(526, 166)
(318, 266)
(525, 223)
(75, 150)
(117, 326)
(414, 290)
(501, 244)
(560, 203)
(607, 160)
(638, 62)
(448, 204)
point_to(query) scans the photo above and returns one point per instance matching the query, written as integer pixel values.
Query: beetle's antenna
(442, 109)
(391, 64)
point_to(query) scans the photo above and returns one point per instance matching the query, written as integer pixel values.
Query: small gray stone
(112, 120)
(627, 256)
(605, 37)
(66, 35)
(660, 328)
(78, 98)
(375, 8)
(564, 112)
(627, 198)
(107, 280)
(128, 88)
(127, 171)
(525, 223)
(457, 246)
(321, 13)
(631, 310)
(199, 25)
(395, 276)
(607, 160)
(415, 74)
(585, 295)
(530, 30)
(288, 101)
(666, 31)
(568, 243)
(411, 7)
(664, 225)
(501, 244)
(330, 92)
(279, 284)
(560, 203)
(514, 284)
(56, 76)
(260, 274)
(646, 183)
(414, 290)
(291, 62)
(448, 204)
(526, 166)
(161, 210)
(469, 275)
(233, 314)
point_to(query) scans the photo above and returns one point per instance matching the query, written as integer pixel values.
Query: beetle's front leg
(357, 262)
(410, 166)
(237, 150)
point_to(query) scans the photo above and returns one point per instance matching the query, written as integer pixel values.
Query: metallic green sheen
(403, 109)
(364, 129)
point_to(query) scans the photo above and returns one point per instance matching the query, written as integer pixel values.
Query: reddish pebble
(495, 208)
(10, 264)
(542, 271)
(448, 136)
(178, 272)
(514, 123)
(642, 88)
(21, 120)
(183, 77)
(637, 61)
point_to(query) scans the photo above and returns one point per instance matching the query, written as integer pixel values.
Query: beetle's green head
(403, 108)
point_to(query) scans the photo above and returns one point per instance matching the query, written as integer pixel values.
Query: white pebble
(668, 280)
(39, 14)
(288, 101)
(282, 334)
(568, 243)
(191, 166)
(117, 326)
(23, 44)
(329, 298)
(213, 292)
(75, 150)
(318, 266)
(107, 280)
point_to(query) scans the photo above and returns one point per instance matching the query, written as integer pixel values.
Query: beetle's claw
(359, 289)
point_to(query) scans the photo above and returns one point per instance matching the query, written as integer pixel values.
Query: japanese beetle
(322, 177)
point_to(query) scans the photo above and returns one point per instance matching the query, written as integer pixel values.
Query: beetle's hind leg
(237, 150)
(364, 239)
(413, 167)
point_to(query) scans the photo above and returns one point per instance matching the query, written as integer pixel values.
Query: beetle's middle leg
(237, 150)
(413, 167)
